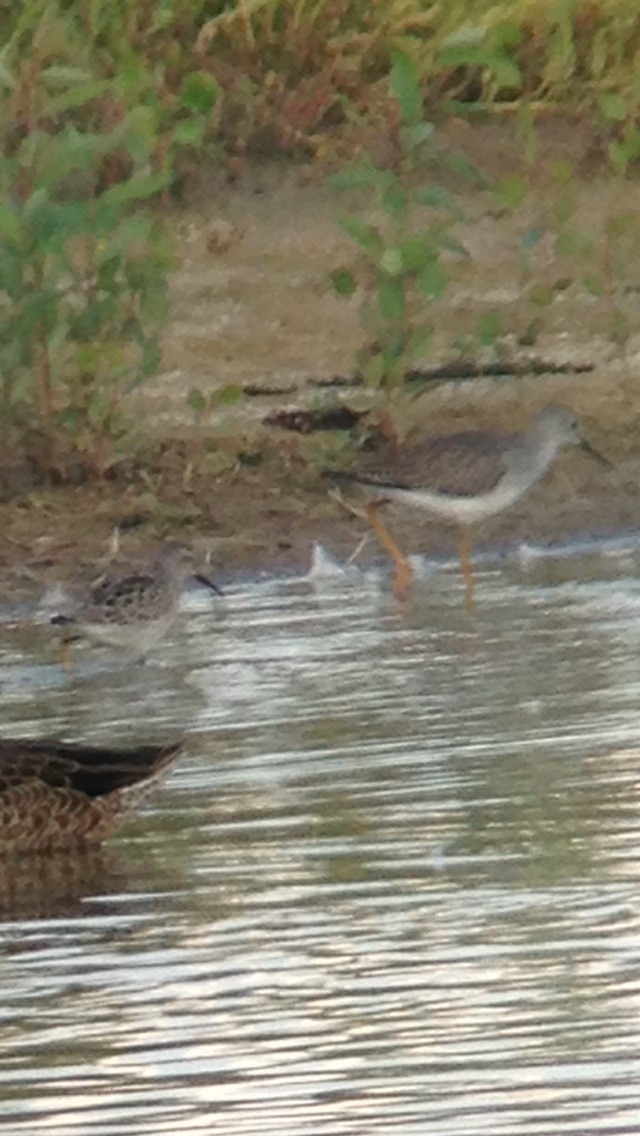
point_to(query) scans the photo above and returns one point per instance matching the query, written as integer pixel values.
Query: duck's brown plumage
(58, 795)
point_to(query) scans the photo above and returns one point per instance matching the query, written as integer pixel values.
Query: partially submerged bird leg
(65, 651)
(404, 572)
(370, 513)
(67, 639)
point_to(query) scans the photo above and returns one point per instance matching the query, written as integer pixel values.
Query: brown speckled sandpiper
(135, 608)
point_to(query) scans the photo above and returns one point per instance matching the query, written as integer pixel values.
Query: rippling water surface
(393, 887)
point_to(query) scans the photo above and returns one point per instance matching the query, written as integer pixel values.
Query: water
(393, 888)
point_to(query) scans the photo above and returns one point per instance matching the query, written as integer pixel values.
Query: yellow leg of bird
(65, 654)
(464, 552)
(404, 572)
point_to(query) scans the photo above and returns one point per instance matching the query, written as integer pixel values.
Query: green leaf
(562, 172)
(632, 143)
(512, 190)
(392, 261)
(568, 243)
(625, 151)
(61, 75)
(199, 92)
(122, 234)
(12, 270)
(621, 224)
(363, 234)
(488, 328)
(343, 282)
(162, 17)
(373, 371)
(437, 197)
(540, 296)
(417, 251)
(190, 132)
(456, 55)
(360, 177)
(618, 156)
(507, 34)
(504, 70)
(7, 78)
(565, 207)
(461, 165)
(139, 133)
(9, 222)
(403, 81)
(229, 394)
(620, 327)
(391, 297)
(467, 54)
(612, 106)
(420, 338)
(469, 35)
(417, 135)
(594, 283)
(450, 244)
(59, 335)
(136, 188)
(151, 355)
(394, 199)
(78, 95)
(35, 204)
(196, 400)
(432, 280)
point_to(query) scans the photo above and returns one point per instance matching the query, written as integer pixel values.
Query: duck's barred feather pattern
(55, 796)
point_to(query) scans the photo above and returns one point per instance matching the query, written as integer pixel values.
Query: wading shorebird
(135, 608)
(465, 478)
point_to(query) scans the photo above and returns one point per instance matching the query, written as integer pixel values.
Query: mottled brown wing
(36, 818)
(459, 464)
(123, 599)
(91, 771)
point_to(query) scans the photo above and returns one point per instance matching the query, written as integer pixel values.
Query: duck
(57, 795)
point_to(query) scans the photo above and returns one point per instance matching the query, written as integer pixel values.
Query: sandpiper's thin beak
(595, 454)
(207, 583)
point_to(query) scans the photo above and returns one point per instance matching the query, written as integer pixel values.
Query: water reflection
(393, 888)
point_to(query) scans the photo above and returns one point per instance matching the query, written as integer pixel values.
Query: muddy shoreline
(250, 305)
(266, 522)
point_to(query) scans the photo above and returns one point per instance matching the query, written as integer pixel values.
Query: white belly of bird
(465, 510)
(139, 638)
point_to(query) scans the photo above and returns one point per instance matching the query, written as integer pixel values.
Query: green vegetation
(294, 74)
(110, 106)
(82, 260)
(403, 256)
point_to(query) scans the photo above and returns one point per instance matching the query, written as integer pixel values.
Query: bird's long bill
(595, 454)
(207, 583)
